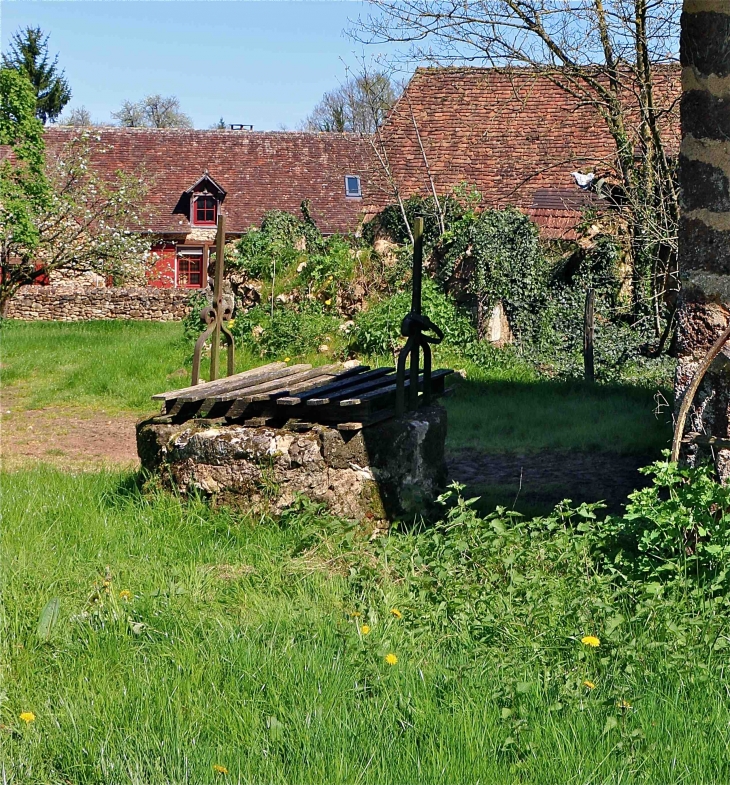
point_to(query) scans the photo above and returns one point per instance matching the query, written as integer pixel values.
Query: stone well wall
(391, 470)
(69, 303)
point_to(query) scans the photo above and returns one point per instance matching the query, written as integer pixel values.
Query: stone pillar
(704, 231)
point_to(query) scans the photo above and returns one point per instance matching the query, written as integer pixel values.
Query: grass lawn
(501, 407)
(200, 645)
(189, 638)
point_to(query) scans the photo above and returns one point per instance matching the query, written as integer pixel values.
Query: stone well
(392, 470)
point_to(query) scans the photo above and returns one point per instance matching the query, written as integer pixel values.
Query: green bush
(290, 331)
(502, 251)
(377, 330)
(679, 527)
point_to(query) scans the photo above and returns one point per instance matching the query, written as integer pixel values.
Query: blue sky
(266, 63)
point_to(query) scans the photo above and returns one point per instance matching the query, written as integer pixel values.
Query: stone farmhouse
(194, 175)
(516, 136)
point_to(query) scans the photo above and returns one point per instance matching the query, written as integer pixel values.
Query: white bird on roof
(583, 180)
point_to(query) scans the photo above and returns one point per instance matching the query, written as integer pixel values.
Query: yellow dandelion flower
(286, 359)
(396, 613)
(391, 659)
(125, 594)
(591, 640)
(27, 716)
(220, 769)
(328, 302)
(623, 704)
(589, 684)
(365, 629)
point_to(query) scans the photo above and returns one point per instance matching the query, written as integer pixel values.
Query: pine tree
(29, 55)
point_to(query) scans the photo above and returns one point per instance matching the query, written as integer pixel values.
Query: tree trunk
(704, 230)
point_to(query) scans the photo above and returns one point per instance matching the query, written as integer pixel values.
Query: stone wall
(69, 303)
(391, 470)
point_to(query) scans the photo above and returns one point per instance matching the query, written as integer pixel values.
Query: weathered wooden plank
(233, 390)
(308, 380)
(264, 392)
(212, 385)
(371, 419)
(352, 390)
(217, 401)
(436, 381)
(362, 374)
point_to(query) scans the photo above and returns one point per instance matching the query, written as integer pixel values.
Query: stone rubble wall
(69, 303)
(392, 470)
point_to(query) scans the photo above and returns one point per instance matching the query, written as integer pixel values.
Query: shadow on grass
(529, 445)
(517, 417)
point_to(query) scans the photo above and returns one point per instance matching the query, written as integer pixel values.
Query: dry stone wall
(68, 303)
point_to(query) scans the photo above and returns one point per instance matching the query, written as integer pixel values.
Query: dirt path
(65, 438)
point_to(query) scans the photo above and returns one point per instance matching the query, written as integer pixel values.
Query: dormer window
(201, 201)
(352, 185)
(205, 209)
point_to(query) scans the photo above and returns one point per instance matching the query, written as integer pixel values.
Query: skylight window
(352, 185)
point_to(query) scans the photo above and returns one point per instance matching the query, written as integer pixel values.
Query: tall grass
(237, 646)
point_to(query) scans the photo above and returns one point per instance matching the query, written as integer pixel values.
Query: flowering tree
(85, 225)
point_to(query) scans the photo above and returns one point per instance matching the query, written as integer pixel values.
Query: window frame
(194, 209)
(188, 254)
(350, 194)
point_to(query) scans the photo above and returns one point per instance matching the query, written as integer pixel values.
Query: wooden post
(220, 241)
(588, 335)
(416, 308)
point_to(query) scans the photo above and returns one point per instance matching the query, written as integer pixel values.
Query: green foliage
(504, 262)
(23, 184)
(276, 243)
(292, 331)
(29, 56)
(678, 528)
(192, 324)
(390, 224)
(377, 330)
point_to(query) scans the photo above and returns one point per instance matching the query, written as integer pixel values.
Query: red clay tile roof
(259, 171)
(509, 134)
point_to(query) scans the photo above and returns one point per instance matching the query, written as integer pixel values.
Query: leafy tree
(29, 55)
(81, 223)
(154, 111)
(23, 186)
(219, 126)
(360, 105)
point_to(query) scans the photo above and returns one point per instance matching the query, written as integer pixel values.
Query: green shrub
(501, 250)
(679, 527)
(290, 331)
(193, 325)
(377, 330)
